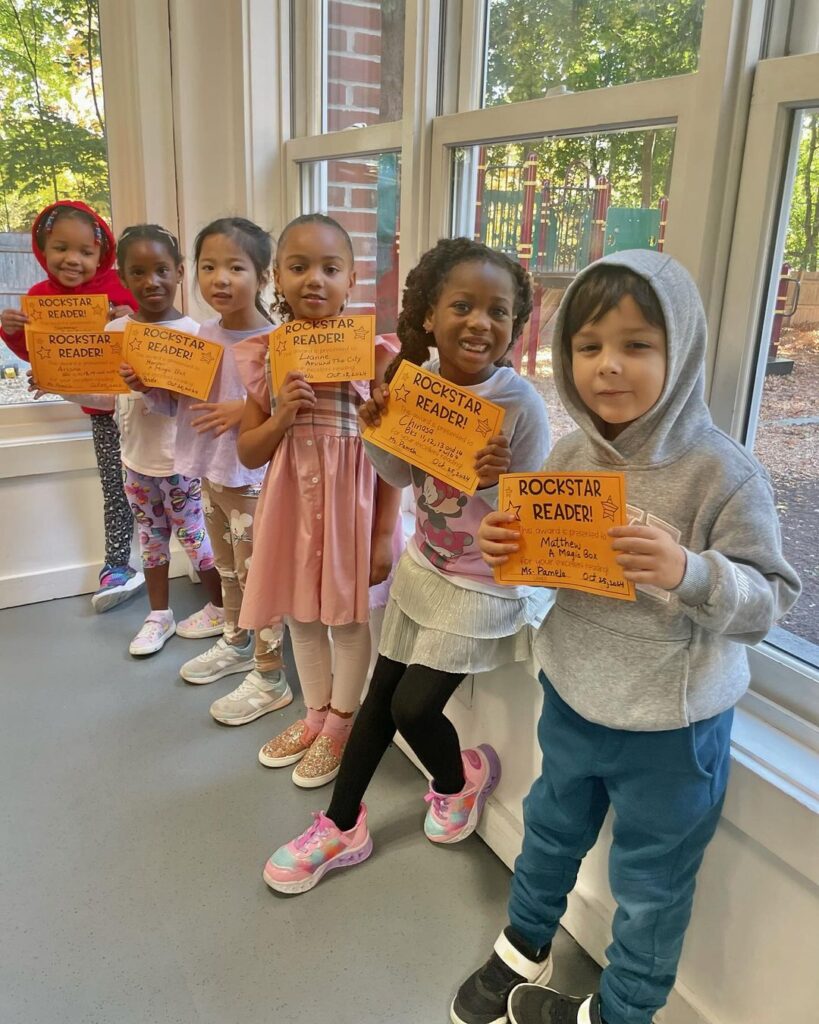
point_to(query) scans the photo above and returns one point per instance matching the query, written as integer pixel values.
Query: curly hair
(280, 305)
(425, 283)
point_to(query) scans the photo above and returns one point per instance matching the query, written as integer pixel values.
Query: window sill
(38, 439)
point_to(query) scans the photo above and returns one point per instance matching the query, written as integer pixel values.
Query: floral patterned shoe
(453, 817)
(321, 763)
(288, 747)
(208, 621)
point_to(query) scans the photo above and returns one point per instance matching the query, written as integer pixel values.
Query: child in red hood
(76, 248)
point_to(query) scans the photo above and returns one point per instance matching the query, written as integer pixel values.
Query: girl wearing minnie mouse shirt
(446, 616)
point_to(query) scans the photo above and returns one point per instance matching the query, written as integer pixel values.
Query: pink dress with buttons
(313, 529)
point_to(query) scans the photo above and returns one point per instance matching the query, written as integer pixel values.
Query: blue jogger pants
(666, 790)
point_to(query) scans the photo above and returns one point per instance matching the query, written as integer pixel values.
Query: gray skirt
(430, 621)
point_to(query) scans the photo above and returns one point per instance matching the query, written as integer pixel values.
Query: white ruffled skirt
(430, 621)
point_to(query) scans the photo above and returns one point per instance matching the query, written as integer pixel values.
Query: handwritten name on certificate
(76, 362)
(436, 426)
(335, 349)
(70, 312)
(164, 358)
(563, 520)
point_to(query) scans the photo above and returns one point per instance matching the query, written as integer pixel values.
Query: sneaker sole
(156, 647)
(322, 780)
(345, 860)
(475, 814)
(109, 599)
(281, 702)
(281, 762)
(542, 979)
(201, 634)
(244, 666)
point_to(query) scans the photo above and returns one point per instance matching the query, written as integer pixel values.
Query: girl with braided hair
(446, 617)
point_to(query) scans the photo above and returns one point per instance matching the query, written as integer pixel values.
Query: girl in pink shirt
(325, 526)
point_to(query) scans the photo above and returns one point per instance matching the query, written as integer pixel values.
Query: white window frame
(708, 108)
(785, 690)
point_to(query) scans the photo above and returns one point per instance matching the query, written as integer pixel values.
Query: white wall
(752, 949)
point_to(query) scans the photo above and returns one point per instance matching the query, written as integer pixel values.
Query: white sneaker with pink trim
(208, 621)
(153, 633)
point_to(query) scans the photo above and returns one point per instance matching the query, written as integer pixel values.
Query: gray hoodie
(667, 660)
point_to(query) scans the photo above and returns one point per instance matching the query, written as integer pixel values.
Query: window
(558, 204)
(783, 426)
(363, 63)
(545, 47)
(52, 140)
(363, 194)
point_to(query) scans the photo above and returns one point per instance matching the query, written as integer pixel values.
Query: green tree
(802, 241)
(537, 45)
(52, 128)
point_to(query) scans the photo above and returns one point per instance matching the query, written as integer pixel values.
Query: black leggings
(411, 699)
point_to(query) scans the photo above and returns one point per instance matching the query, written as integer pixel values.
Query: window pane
(557, 205)
(53, 141)
(785, 432)
(363, 194)
(364, 62)
(539, 46)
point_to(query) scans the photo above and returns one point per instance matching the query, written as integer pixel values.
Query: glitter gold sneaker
(288, 747)
(321, 763)
(304, 861)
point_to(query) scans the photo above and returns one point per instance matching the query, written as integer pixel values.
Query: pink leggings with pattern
(165, 504)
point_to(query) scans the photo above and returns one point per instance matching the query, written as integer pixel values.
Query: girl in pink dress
(325, 523)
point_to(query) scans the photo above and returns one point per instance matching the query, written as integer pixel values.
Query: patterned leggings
(162, 504)
(119, 524)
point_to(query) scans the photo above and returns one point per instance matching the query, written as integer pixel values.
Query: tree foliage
(537, 45)
(802, 242)
(52, 128)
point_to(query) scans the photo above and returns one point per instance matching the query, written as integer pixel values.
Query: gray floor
(134, 831)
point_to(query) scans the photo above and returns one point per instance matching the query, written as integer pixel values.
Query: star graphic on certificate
(43, 352)
(514, 509)
(482, 427)
(360, 333)
(401, 394)
(281, 347)
(135, 344)
(207, 358)
(609, 508)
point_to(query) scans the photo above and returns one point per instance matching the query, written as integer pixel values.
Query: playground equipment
(554, 231)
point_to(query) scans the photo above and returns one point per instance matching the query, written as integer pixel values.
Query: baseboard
(587, 920)
(67, 581)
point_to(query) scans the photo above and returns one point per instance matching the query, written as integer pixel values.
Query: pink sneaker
(453, 817)
(208, 621)
(304, 861)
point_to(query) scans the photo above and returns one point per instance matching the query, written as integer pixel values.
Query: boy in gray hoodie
(638, 697)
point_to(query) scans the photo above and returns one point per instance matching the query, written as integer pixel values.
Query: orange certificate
(338, 348)
(76, 362)
(69, 312)
(564, 520)
(436, 426)
(164, 358)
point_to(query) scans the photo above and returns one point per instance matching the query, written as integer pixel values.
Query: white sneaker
(220, 660)
(208, 621)
(256, 695)
(153, 633)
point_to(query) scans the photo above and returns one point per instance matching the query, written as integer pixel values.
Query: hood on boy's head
(109, 245)
(680, 414)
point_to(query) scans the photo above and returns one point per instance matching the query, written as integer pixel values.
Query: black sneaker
(532, 1004)
(483, 996)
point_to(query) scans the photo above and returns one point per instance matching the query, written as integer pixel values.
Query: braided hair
(425, 283)
(254, 241)
(280, 305)
(147, 233)
(61, 212)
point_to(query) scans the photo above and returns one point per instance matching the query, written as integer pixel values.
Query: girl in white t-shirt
(163, 502)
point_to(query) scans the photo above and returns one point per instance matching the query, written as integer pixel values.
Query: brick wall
(357, 36)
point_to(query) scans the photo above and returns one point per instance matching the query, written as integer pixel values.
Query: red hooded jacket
(104, 282)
